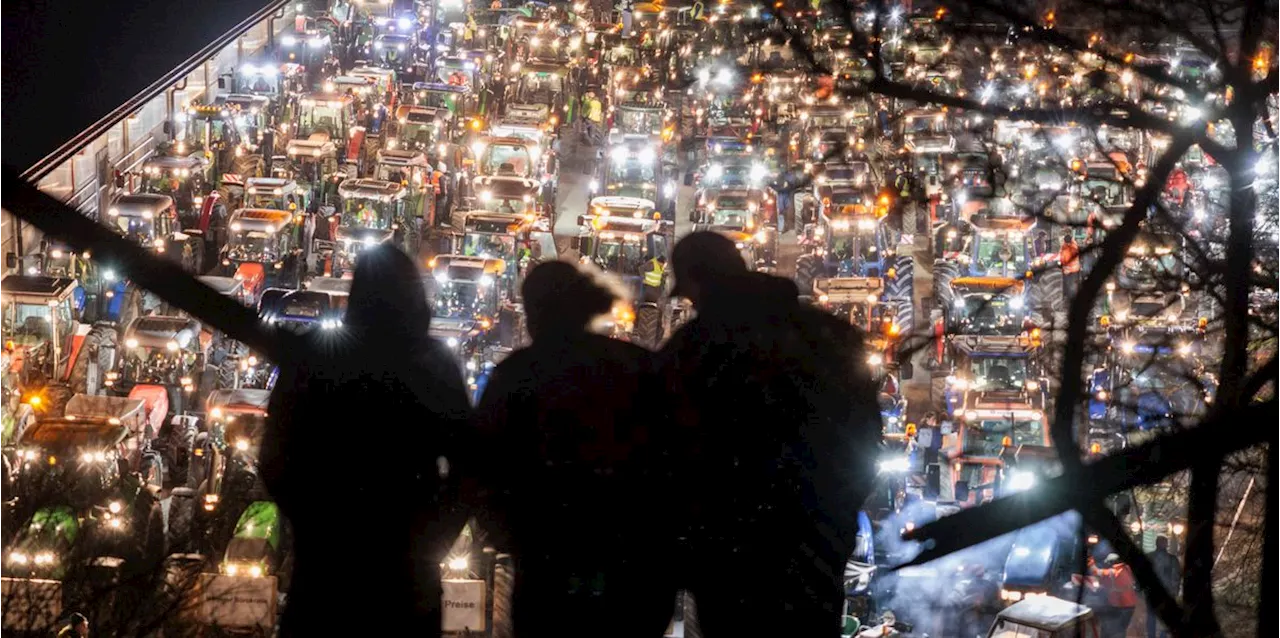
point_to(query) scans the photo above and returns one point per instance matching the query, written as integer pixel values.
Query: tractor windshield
(465, 298)
(29, 324)
(251, 245)
(319, 118)
(139, 229)
(539, 88)
(926, 124)
(1104, 192)
(152, 365)
(623, 256)
(990, 314)
(361, 212)
(209, 131)
(488, 246)
(1150, 262)
(997, 373)
(513, 160)
(260, 199)
(632, 121)
(986, 437)
(417, 132)
(1001, 253)
(631, 170)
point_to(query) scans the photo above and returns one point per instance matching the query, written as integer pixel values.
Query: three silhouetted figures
(732, 463)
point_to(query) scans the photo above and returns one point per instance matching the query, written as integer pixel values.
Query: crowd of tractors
(132, 428)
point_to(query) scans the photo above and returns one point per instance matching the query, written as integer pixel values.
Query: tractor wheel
(647, 330)
(808, 267)
(154, 541)
(181, 532)
(901, 288)
(943, 272)
(99, 335)
(1048, 288)
(248, 166)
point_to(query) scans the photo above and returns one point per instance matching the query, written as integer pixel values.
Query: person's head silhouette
(561, 299)
(702, 261)
(387, 299)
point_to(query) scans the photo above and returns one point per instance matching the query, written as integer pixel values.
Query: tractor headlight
(895, 465)
(1021, 480)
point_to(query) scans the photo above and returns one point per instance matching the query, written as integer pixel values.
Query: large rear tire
(647, 330)
(808, 267)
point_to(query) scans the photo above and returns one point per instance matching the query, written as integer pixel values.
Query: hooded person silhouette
(578, 474)
(352, 455)
(778, 435)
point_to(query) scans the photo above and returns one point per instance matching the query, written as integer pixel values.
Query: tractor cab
(622, 245)
(995, 375)
(1147, 289)
(927, 132)
(634, 169)
(412, 171)
(1001, 247)
(533, 122)
(226, 131)
(226, 454)
(371, 212)
(419, 128)
(625, 246)
(544, 84)
(468, 289)
(635, 119)
(985, 306)
(395, 51)
(509, 195)
(160, 351)
(41, 317)
(264, 245)
(323, 124)
(321, 306)
(861, 301)
(275, 193)
(495, 236)
(508, 157)
(148, 219)
(457, 99)
(851, 238)
(184, 178)
(278, 83)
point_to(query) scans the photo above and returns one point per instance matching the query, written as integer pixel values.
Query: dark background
(68, 63)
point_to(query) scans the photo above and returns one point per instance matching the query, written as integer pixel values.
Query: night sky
(66, 64)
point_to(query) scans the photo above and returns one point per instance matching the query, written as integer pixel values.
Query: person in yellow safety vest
(654, 273)
(595, 116)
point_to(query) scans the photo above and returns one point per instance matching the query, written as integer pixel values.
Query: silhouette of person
(778, 431)
(577, 475)
(384, 373)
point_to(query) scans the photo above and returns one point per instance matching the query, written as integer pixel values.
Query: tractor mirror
(906, 371)
(962, 491)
